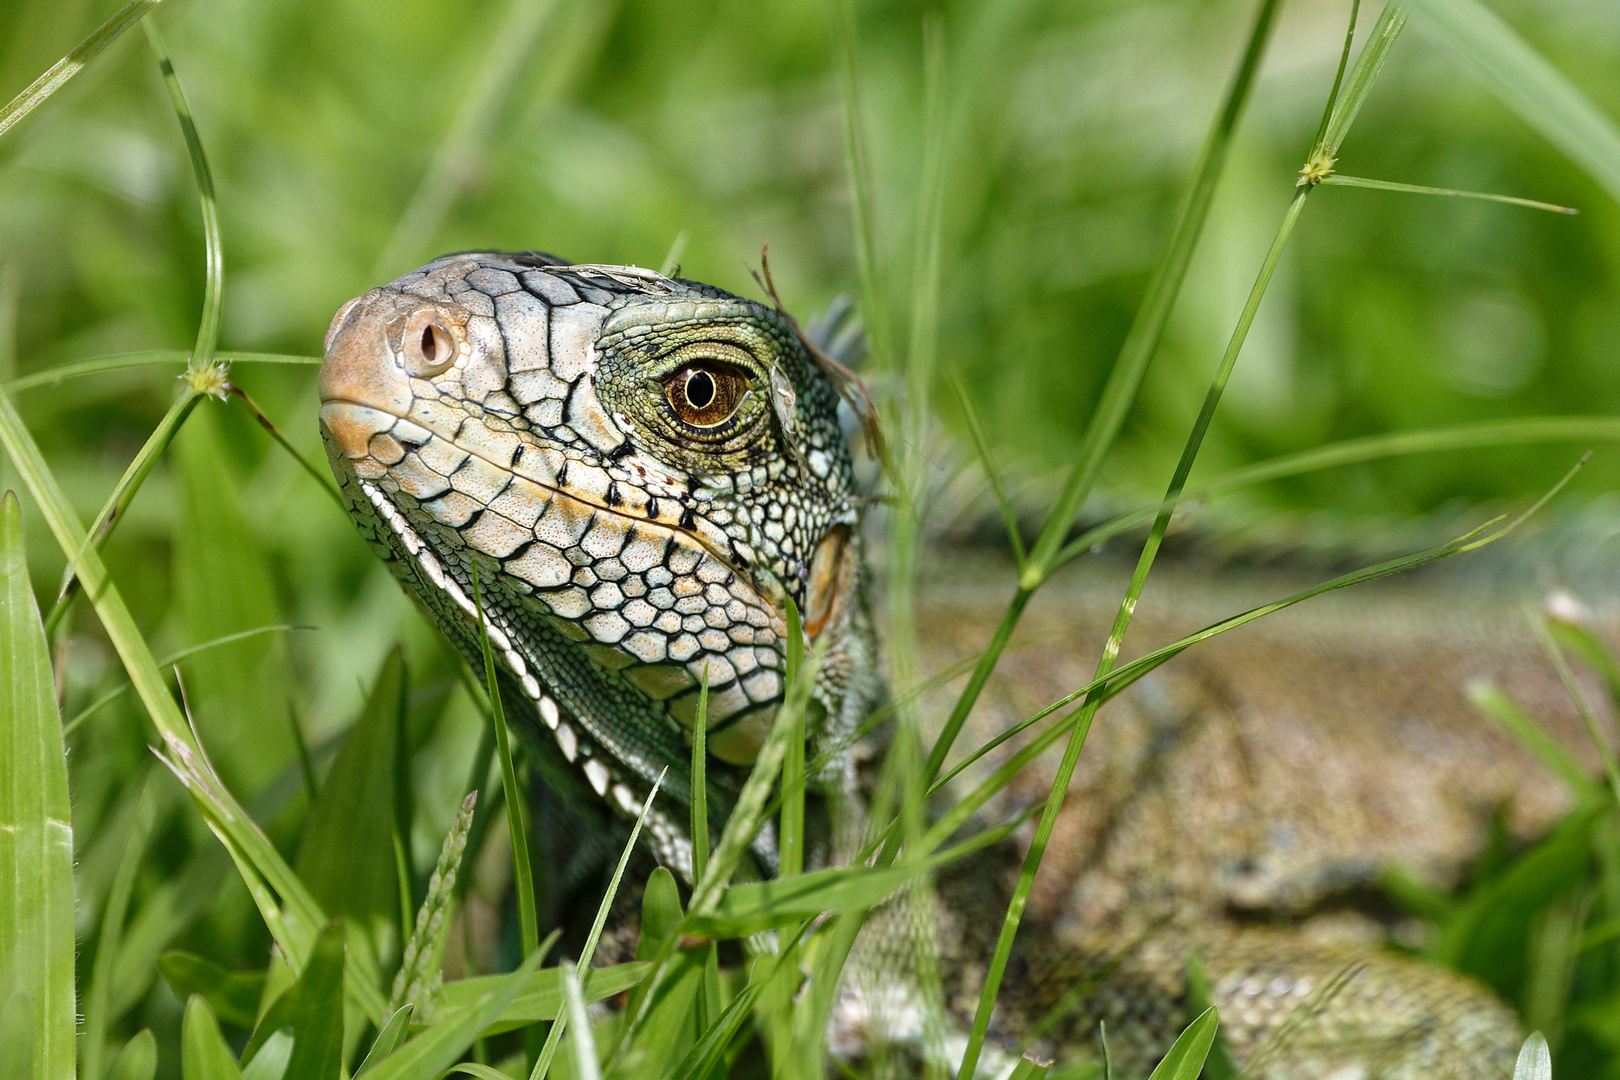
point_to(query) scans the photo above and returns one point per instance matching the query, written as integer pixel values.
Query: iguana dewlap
(634, 473)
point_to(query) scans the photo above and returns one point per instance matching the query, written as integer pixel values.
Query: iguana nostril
(429, 347)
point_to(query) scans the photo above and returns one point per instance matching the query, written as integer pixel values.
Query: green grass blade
(1186, 1057)
(541, 998)
(74, 62)
(700, 782)
(1535, 1060)
(346, 852)
(202, 356)
(543, 1063)
(1371, 61)
(232, 995)
(137, 1060)
(1341, 180)
(313, 1008)
(1125, 379)
(1577, 695)
(96, 1016)
(522, 874)
(1490, 700)
(427, 1056)
(224, 585)
(981, 446)
(291, 913)
(388, 1039)
(174, 658)
(1542, 96)
(99, 365)
(203, 1052)
(581, 1044)
(123, 492)
(36, 825)
(1511, 432)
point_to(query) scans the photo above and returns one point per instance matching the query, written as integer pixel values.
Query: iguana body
(638, 472)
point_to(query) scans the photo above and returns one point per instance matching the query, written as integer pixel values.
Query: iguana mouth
(596, 444)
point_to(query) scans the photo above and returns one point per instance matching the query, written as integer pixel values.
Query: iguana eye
(705, 394)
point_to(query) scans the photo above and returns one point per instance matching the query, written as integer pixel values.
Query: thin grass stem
(214, 259)
(98, 365)
(322, 480)
(1341, 180)
(522, 873)
(1141, 342)
(40, 90)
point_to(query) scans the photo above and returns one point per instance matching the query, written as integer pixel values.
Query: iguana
(643, 469)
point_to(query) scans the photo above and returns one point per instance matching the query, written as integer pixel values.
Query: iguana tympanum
(643, 470)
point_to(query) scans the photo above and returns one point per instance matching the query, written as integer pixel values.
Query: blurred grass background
(351, 141)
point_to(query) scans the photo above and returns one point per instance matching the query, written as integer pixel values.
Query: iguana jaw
(475, 425)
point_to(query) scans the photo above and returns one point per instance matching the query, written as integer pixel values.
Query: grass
(253, 930)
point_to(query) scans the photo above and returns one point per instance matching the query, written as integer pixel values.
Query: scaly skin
(642, 470)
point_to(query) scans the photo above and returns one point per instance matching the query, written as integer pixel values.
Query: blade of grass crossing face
(292, 914)
(523, 875)
(1542, 96)
(1141, 342)
(700, 783)
(74, 62)
(589, 951)
(36, 829)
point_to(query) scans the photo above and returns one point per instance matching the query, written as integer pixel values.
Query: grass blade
(202, 356)
(427, 1056)
(1529, 85)
(579, 1037)
(74, 62)
(388, 1039)
(36, 826)
(99, 365)
(292, 914)
(1186, 1057)
(543, 1062)
(232, 995)
(346, 852)
(1125, 379)
(96, 1017)
(203, 1052)
(1342, 180)
(1535, 1060)
(137, 1060)
(523, 875)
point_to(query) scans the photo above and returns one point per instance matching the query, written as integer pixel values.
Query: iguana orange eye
(705, 394)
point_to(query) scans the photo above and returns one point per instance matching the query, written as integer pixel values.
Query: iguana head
(642, 470)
